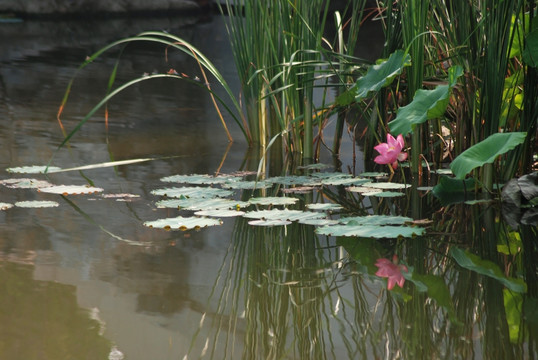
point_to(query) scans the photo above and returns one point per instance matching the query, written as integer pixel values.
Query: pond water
(87, 280)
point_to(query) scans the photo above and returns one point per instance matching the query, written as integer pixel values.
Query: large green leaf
(436, 288)
(485, 267)
(382, 74)
(371, 231)
(530, 53)
(450, 190)
(426, 105)
(485, 152)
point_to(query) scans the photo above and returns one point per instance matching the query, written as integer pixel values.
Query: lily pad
(386, 185)
(269, 222)
(299, 190)
(375, 220)
(318, 166)
(374, 174)
(371, 231)
(183, 223)
(277, 214)
(270, 200)
(324, 206)
(202, 204)
(36, 204)
(220, 213)
(344, 181)
(25, 183)
(242, 185)
(192, 192)
(36, 169)
(318, 222)
(294, 180)
(198, 179)
(71, 189)
(385, 194)
(5, 206)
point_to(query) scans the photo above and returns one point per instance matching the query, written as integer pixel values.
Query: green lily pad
(294, 180)
(198, 179)
(263, 222)
(299, 190)
(318, 166)
(202, 204)
(375, 220)
(5, 206)
(192, 192)
(344, 181)
(318, 222)
(386, 185)
(277, 214)
(25, 183)
(374, 174)
(36, 204)
(270, 200)
(183, 223)
(385, 194)
(220, 213)
(324, 207)
(246, 185)
(370, 231)
(36, 169)
(71, 189)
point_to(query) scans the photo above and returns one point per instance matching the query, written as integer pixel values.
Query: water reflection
(93, 277)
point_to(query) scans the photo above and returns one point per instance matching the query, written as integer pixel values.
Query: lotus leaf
(485, 152)
(25, 183)
(385, 194)
(344, 181)
(241, 185)
(183, 223)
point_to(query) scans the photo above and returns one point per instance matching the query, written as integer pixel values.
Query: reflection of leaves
(437, 290)
(488, 268)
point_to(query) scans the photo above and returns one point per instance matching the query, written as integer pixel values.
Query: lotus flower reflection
(392, 271)
(391, 151)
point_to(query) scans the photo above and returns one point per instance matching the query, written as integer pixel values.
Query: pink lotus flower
(391, 271)
(391, 151)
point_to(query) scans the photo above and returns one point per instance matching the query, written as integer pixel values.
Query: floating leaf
(371, 231)
(242, 184)
(362, 190)
(192, 192)
(294, 180)
(488, 268)
(385, 194)
(270, 200)
(5, 206)
(36, 169)
(198, 179)
(386, 185)
(374, 174)
(269, 222)
(71, 189)
(375, 220)
(220, 213)
(299, 189)
(426, 105)
(318, 222)
(344, 181)
(324, 207)
(277, 214)
(318, 166)
(202, 204)
(183, 223)
(121, 197)
(36, 204)
(485, 152)
(382, 74)
(25, 183)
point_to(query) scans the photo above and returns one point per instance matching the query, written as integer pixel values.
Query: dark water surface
(86, 280)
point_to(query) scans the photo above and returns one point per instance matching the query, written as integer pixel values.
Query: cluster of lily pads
(208, 198)
(215, 200)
